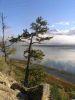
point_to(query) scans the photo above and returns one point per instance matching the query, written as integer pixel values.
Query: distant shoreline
(61, 74)
(51, 45)
(69, 77)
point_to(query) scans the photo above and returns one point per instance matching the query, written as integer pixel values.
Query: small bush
(72, 94)
(59, 94)
(37, 76)
(63, 95)
(55, 93)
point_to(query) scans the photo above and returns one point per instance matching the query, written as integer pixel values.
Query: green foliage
(39, 26)
(37, 75)
(63, 95)
(25, 34)
(72, 94)
(35, 54)
(55, 93)
(59, 94)
(13, 40)
(40, 39)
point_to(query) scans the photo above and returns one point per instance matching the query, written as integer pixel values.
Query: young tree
(38, 29)
(5, 48)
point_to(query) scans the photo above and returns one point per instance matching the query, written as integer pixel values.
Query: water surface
(60, 57)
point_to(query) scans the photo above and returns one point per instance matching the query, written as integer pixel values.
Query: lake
(59, 57)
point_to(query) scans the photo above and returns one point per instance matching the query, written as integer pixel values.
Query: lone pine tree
(38, 29)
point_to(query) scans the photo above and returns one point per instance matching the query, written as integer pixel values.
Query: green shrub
(63, 95)
(37, 76)
(72, 94)
(59, 94)
(55, 93)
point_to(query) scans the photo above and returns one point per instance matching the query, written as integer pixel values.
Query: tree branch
(9, 45)
(37, 42)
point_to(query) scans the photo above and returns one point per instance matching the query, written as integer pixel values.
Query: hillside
(59, 88)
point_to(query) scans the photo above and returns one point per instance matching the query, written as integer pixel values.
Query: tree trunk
(3, 41)
(5, 57)
(28, 62)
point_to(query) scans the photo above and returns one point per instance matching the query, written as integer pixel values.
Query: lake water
(60, 57)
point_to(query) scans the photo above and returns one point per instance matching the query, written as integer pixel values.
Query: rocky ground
(11, 90)
(6, 93)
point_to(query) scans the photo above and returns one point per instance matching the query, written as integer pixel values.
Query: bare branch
(9, 45)
(35, 42)
(24, 41)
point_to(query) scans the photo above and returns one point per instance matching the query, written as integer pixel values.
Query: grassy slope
(16, 69)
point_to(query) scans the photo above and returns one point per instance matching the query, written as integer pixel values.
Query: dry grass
(16, 68)
(60, 83)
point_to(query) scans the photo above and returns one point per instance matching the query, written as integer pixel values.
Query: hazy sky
(60, 15)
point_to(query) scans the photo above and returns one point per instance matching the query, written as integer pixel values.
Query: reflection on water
(61, 65)
(62, 58)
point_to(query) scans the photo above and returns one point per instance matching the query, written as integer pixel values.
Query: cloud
(59, 32)
(63, 31)
(70, 31)
(51, 26)
(63, 23)
(61, 40)
(65, 39)
(62, 37)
